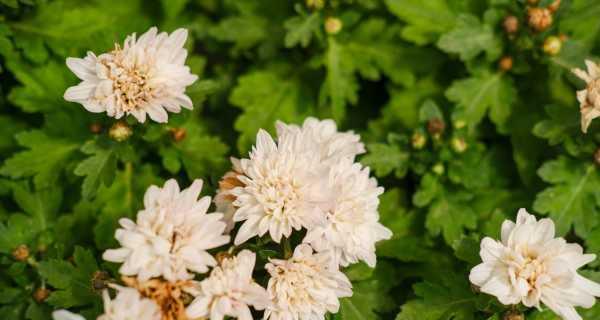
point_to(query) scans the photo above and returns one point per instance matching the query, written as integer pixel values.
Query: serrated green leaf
(44, 160)
(483, 94)
(300, 29)
(469, 38)
(426, 19)
(572, 199)
(99, 168)
(385, 159)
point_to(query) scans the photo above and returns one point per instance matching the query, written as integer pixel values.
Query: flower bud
(539, 19)
(21, 253)
(552, 45)
(459, 124)
(435, 127)
(418, 140)
(41, 294)
(459, 145)
(505, 63)
(554, 6)
(513, 315)
(563, 37)
(315, 4)
(597, 157)
(333, 25)
(511, 24)
(438, 169)
(95, 128)
(532, 2)
(178, 134)
(99, 280)
(120, 131)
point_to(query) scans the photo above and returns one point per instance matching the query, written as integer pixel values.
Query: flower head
(350, 205)
(530, 266)
(306, 286)
(171, 235)
(128, 305)
(229, 291)
(147, 76)
(589, 98)
(276, 179)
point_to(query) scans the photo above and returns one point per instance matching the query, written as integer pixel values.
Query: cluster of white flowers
(530, 266)
(147, 76)
(306, 178)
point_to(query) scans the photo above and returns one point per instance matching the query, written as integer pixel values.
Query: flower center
(531, 269)
(129, 83)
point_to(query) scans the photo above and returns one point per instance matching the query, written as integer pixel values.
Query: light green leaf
(99, 168)
(469, 38)
(426, 19)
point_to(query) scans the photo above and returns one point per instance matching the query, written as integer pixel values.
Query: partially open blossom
(147, 76)
(306, 286)
(229, 291)
(323, 135)
(171, 235)
(276, 179)
(350, 205)
(530, 266)
(589, 98)
(128, 304)
(224, 198)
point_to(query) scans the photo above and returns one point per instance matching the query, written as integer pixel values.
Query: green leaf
(245, 31)
(18, 230)
(469, 38)
(572, 199)
(563, 122)
(99, 168)
(44, 160)
(265, 97)
(42, 205)
(340, 87)
(300, 29)
(426, 20)
(73, 282)
(451, 300)
(481, 94)
(385, 159)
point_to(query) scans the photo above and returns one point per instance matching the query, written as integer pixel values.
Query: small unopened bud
(511, 24)
(100, 280)
(333, 25)
(505, 63)
(438, 169)
(418, 140)
(532, 2)
(459, 124)
(178, 134)
(539, 19)
(21, 253)
(597, 157)
(95, 128)
(41, 294)
(513, 315)
(563, 37)
(120, 131)
(435, 127)
(554, 6)
(315, 4)
(459, 145)
(552, 45)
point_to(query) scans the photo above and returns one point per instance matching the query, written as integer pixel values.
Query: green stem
(287, 248)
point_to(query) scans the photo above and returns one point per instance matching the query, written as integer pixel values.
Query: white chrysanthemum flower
(323, 135)
(531, 266)
(350, 205)
(276, 182)
(147, 76)
(171, 235)
(65, 315)
(224, 198)
(306, 286)
(128, 305)
(589, 98)
(229, 291)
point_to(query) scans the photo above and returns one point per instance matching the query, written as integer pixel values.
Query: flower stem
(287, 248)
